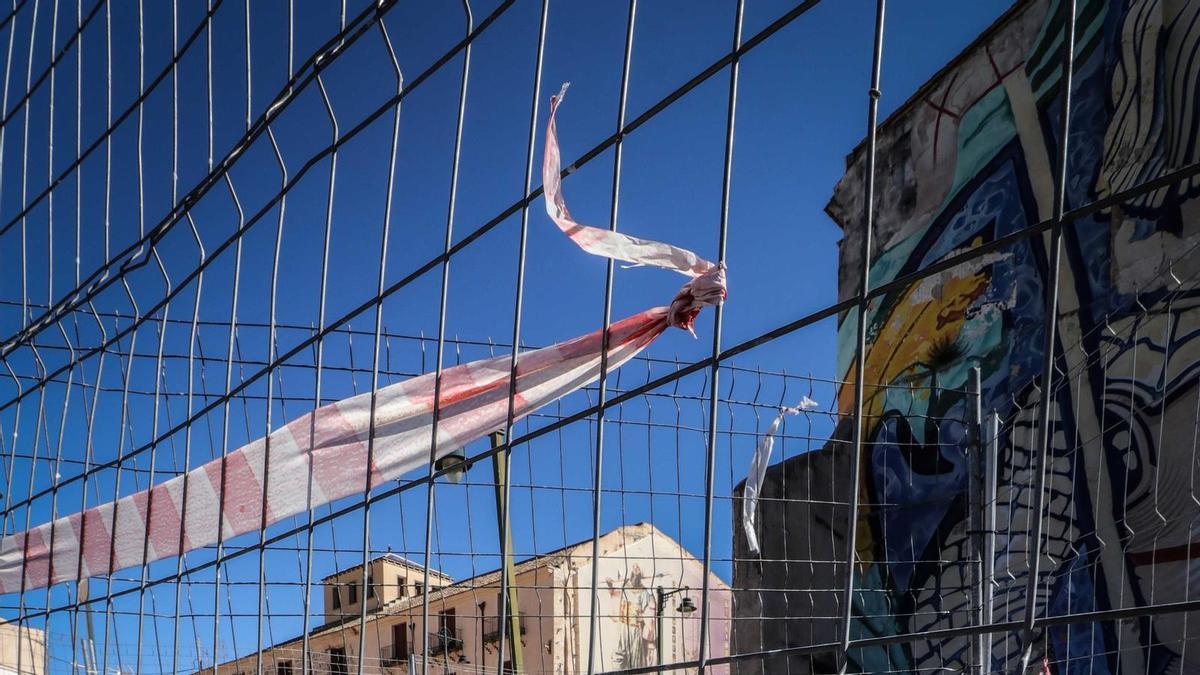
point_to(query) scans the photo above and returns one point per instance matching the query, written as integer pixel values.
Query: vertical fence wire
(518, 306)
(860, 349)
(1049, 358)
(714, 372)
(605, 322)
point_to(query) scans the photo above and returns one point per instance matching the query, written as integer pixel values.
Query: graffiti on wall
(971, 161)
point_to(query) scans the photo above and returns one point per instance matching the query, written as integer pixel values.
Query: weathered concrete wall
(788, 596)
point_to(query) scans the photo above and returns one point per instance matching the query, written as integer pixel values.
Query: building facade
(22, 650)
(554, 604)
(968, 161)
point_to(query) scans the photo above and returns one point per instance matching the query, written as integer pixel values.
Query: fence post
(511, 626)
(975, 504)
(991, 445)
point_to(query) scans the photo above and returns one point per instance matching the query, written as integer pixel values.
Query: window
(337, 597)
(400, 642)
(448, 621)
(418, 588)
(337, 661)
(353, 592)
(284, 668)
(400, 585)
(371, 587)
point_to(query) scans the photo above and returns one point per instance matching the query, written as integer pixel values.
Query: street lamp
(456, 463)
(686, 606)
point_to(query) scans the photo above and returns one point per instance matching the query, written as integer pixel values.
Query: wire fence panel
(220, 219)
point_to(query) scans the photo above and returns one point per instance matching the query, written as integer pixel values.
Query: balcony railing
(445, 641)
(394, 655)
(492, 627)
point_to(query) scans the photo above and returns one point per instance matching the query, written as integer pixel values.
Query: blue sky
(801, 109)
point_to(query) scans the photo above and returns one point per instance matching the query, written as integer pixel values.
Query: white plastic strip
(758, 472)
(601, 242)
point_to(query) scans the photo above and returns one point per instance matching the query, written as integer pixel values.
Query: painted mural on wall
(634, 619)
(629, 576)
(970, 161)
(629, 619)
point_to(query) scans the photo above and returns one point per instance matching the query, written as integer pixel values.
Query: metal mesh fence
(213, 221)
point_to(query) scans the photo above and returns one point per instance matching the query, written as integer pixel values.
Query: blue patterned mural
(968, 161)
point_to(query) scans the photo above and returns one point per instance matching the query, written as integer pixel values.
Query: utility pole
(89, 646)
(500, 471)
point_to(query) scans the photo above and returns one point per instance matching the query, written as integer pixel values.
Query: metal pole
(660, 608)
(1050, 326)
(366, 579)
(500, 470)
(658, 625)
(518, 304)
(975, 503)
(602, 384)
(443, 302)
(714, 393)
(861, 345)
(991, 444)
(89, 650)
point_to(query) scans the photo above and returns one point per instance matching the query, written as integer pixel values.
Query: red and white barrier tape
(182, 514)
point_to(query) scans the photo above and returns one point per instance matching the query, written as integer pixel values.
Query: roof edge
(994, 27)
